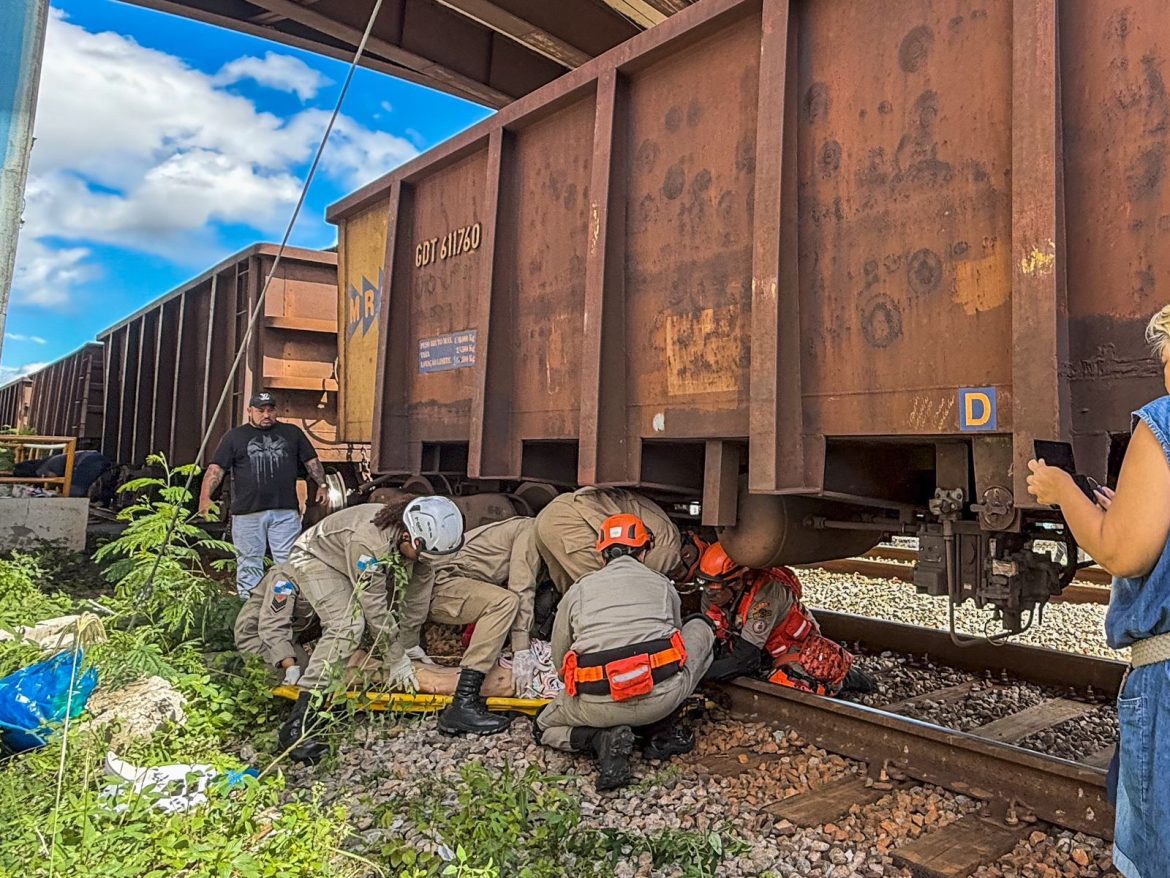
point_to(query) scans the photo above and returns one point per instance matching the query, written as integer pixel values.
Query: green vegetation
(56, 821)
(500, 824)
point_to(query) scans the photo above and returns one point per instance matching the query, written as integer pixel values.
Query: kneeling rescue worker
(566, 533)
(764, 630)
(275, 622)
(490, 583)
(341, 566)
(626, 664)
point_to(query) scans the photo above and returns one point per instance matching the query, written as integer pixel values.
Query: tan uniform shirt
(622, 604)
(350, 543)
(502, 553)
(274, 617)
(571, 522)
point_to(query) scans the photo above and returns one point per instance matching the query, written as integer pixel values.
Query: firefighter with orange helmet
(628, 658)
(764, 630)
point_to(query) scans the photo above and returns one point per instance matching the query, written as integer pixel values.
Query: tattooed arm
(212, 479)
(317, 474)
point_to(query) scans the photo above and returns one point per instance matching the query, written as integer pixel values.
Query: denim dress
(1140, 608)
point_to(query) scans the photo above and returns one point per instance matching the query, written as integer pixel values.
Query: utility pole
(22, 45)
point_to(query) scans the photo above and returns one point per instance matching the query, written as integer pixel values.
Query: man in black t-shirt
(262, 457)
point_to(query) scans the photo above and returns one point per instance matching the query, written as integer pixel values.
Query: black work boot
(468, 713)
(297, 733)
(612, 749)
(667, 738)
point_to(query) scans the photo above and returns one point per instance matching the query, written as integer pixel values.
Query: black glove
(703, 617)
(738, 659)
(858, 682)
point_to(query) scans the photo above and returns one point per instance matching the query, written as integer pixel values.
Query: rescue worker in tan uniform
(763, 630)
(274, 623)
(566, 532)
(490, 582)
(341, 565)
(627, 658)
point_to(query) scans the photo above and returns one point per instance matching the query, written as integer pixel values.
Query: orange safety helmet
(624, 530)
(717, 570)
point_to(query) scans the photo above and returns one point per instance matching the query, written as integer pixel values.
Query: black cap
(262, 398)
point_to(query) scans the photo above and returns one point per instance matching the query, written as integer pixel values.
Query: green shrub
(166, 578)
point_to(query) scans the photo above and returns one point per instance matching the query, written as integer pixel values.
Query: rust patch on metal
(702, 351)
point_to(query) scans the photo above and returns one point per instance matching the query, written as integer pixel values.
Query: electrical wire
(228, 381)
(259, 306)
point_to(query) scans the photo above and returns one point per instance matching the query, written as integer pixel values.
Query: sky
(164, 145)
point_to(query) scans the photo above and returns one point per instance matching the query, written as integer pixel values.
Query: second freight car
(168, 363)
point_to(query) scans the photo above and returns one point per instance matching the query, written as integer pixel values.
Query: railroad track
(895, 562)
(1016, 786)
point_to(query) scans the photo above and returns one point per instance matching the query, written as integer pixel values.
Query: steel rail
(1013, 782)
(1035, 664)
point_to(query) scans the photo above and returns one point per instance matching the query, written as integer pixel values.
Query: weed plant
(56, 821)
(510, 824)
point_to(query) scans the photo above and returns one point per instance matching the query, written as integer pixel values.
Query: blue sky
(164, 145)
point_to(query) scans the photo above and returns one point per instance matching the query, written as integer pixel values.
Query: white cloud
(137, 149)
(9, 374)
(44, 275)
(387, 106)
(16, 336)
(281, 72)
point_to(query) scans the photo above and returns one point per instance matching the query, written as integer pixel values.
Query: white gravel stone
(1078, 628)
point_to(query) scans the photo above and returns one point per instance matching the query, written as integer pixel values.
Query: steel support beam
(494, 17)
(455, 82)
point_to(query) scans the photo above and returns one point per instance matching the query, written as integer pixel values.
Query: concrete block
(27, 523)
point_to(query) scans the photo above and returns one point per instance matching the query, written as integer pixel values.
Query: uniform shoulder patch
(284, 587)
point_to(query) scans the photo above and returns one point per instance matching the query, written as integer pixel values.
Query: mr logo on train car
(364, 305)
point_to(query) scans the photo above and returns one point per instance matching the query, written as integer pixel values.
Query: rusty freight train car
(64, 398)
(827, 269)
(16, 404)
(168, 363)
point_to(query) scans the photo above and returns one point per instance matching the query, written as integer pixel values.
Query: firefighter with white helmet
(764, 630)
(341, 566)
(628, 659)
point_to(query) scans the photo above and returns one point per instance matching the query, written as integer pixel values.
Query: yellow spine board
(403, 702)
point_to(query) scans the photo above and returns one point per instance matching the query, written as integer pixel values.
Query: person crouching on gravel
(489, 583)
(763, 630)
(1128, 533)
(341, 566)
(275, 622)
(627, 658)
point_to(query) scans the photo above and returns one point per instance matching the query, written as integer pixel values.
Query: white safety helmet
(437, 522)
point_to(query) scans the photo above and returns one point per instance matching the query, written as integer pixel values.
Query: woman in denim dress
(1128, 533)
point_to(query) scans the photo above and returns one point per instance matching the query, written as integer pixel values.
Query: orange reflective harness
(802, 657)
(625, 672)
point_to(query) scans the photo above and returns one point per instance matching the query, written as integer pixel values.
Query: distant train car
(168, 363)
(64, 398)
(829, 273)
(16, 404)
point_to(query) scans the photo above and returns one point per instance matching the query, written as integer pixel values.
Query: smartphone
(1060, 455)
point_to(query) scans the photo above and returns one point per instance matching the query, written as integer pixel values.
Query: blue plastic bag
(35, 698)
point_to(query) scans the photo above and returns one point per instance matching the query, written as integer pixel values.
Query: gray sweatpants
(565, 713)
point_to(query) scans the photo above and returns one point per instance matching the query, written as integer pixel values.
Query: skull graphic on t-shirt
(265, 454)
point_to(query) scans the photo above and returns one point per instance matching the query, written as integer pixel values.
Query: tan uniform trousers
(557, 721)
(332, 597)
(461, 601)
